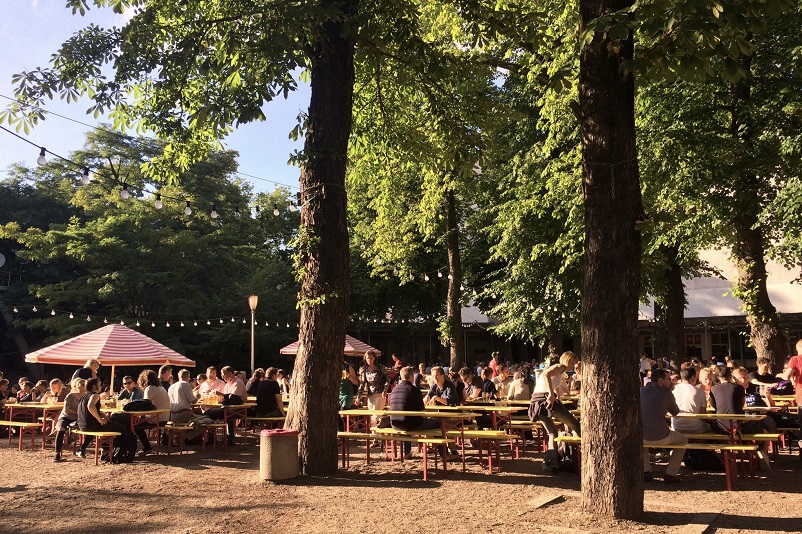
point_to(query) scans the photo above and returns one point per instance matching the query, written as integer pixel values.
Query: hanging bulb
(426, 277)
(439, 274)
(158, 204)
(461, 287)
(122, 323)
(168, 324)
(292, 207)
(124, 194)
(34, 309)
(258, 212)
(105, 321)
(187, 210)
(85, 176)
(275, 210)
(208, 323)
(214, 212)
(182, 324)
(267, 324)
(288, 325)
(16, 310)
(152, 324)
(244, 321)
(237, 214)
(88, 318)
(41, 159)
(137, 322)
(72, 316)
(194, 323)
(221, 321)
(255, 323)
(232, 319)
(52, 312)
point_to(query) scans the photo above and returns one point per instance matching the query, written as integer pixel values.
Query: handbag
(139, 405)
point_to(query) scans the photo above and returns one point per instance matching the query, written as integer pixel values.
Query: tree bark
(670, 311)
(766, 335)
(456, 343)
(323, 249)
(612, 482)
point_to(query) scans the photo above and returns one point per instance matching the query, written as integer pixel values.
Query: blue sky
(31, 31)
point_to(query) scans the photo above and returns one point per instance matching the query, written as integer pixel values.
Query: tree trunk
(669, 311)
(453, 302)
(323, 250)
(766, 336)
(612, 482)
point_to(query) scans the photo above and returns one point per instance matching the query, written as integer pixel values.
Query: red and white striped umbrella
(111, 345)
(353, 347)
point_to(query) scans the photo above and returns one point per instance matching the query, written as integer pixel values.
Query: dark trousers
(218, 414)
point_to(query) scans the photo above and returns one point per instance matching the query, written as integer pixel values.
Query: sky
(32, 30)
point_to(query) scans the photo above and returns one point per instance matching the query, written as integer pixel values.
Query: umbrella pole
(111, 385)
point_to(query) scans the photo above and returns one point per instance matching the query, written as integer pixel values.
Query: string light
(168, 324)
(85, 176)
(232, 319)
(124, 194)
(214, 212)
(292, 207)
(41, 159)
(105, 321)
(137, 322)
(244, 321)
(158, 204)
(88, 318)
(275, 210)
(182, 324)
(208, 323)
(52, 312)
(187, 210)
(16, 310)
(152, 324)
(439, 274)
(122, 323)
(237, 214)
(426, 277)
(34, 309)
(72, 316)
(195, 323)
(221, 321)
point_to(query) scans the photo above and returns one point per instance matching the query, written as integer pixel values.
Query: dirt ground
(210, 493)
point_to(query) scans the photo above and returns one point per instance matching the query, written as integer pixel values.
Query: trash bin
(278, 455)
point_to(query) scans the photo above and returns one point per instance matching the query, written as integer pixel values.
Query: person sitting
(545, 403)
(26, 393)
(442, 392)
(420, 380)
(268, 397)
(252, 385)
(91, 419)
(39, 390)
(283, 381)
(522, 384)
(166, 376)
(69, 414)
(406, 397)
(153, 390)
(656, 400)
(212, 383)
(199, 380)
(502, 380)
(181, 399)
(690, 399)
(473, 384)
(56, 393)
(489, 385)
(130, 390)
(233, 394)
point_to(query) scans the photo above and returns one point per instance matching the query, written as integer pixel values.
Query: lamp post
(253, 300)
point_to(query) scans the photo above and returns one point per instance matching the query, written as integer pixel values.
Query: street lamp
(253, 300)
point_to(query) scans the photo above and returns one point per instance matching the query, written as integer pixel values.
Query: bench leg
(426, 463)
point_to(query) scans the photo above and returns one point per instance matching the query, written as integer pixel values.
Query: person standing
(494, 364)
(374, 381)
(656, 400)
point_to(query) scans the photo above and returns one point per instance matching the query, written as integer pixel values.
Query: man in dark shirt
(406, 397)
(655, 400)
(444, 391)
(268, 396)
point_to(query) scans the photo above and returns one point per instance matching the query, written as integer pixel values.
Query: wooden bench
(491, 438)
(425, 440)
(179, 431)
(786, 440)
(105, 439)
(772, 438)
(269, 422)
(24, 427)
(214, 428)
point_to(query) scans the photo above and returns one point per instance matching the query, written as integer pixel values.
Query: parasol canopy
(353, 347)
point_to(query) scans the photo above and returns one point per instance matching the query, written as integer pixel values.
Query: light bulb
(292, 207)
(41, 159)
(152, 324)
(232, 319)
(16, 310)
(255, 323)
(258, 211)
(88, 318)
(275, 210)
(122, 323)
(461, 287)
(194, 323)
(288, 325)
(267, 324)
(105, 321)
(244, 321)
(72, 316)
(439, 274)
(52, 312)
(214, 212)
(187, 210)
(208, 323)
(168, 324)
(85, 176)
(221, 321)
(426, 277)
(182, 324)
(137, 323)
(124, 194)
(34, 309)
(237, 214)
(158, 204)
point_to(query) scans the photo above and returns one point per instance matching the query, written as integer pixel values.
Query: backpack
(703, 460)
(551, 461)
(139, 405)
(784, 387)
(124, 450)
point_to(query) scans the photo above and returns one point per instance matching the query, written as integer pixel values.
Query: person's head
(148, 377)
(201, 378)
(22, 380)
(422, 368)
(439, 375)
(92, 364)
(93, 385)
(211, 373)
(184, 375)
(741, 377)
(688, 374)
(272, 373)
(128, 383)
(395, 358)
(258, 374)
(799, 347)
(503, 371)
(369, 357)
(56, 385)
(764, 365)
(280, 374)
(466, 375)
(166, 373)
(494, 355)
(723, 373)
(487, 373)
(41, 386)
(79, 386)
(568, 359)
(407, 373)
(661, 378)
(27, 386)
(705, 377)
(240, 375)
(227, 373)
(3, 385)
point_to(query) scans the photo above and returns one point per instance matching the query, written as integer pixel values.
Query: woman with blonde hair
(57, 392)
(89, 370)
(69, 413)
(546, 404)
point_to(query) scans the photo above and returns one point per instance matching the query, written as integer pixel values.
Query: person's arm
(791, 371)
(351, 376)
(551, 372)
(93, 409)
(280, 404)
(672, 407)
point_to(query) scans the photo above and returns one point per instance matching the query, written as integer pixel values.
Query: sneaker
(58, 458)
(647, 476)
(80, 454)
(669, 479)
(145, 452)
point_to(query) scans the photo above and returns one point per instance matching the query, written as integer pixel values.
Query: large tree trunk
(766, 336)
(669, 311)
(612, 482)
(323, 251)
(453, 302)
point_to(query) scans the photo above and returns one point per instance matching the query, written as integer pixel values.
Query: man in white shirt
(233, 393)
(212, 383)
(181, 399)
(690, 399)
